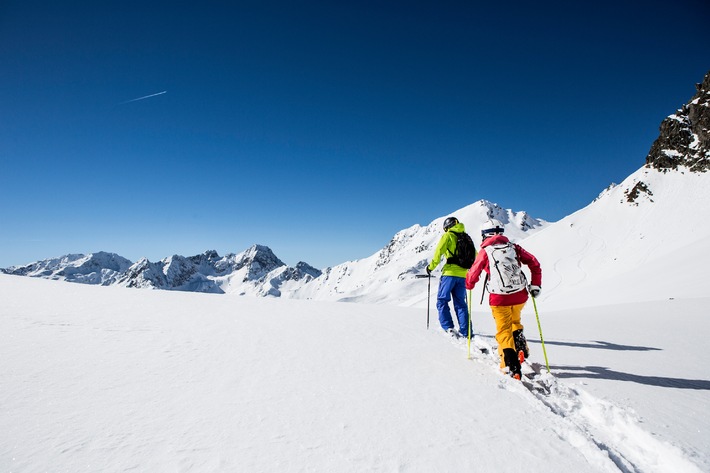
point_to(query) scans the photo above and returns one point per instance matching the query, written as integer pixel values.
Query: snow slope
(111, 379)
(651, 248)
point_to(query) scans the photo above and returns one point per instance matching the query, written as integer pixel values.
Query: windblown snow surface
(110, 379)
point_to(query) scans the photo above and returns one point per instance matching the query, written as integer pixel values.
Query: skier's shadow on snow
(601, 372)
(599, 344)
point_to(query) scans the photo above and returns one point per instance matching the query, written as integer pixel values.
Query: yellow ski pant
(507, 319)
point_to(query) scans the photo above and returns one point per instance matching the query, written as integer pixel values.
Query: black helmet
(450, 222)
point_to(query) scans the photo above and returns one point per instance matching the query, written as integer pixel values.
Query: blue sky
(320, 128)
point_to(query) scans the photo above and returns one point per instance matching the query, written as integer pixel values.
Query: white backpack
(506, 276)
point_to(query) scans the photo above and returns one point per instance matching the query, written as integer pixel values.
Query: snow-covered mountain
(97, 268)
(255, 271)
(389, 276)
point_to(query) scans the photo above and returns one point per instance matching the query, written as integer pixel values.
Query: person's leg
(503, 316)
(515, 317)
(459, 296)
(442, 302)
(504, 335)
(521, 343)
(510, 358)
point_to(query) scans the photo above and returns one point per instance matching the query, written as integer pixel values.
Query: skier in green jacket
(453, 280)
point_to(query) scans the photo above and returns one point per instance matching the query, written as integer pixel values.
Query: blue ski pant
(452, 287)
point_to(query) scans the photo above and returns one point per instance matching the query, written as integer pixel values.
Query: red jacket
(481, 264)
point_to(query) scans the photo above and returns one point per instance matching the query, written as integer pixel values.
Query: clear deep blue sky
(320, 128)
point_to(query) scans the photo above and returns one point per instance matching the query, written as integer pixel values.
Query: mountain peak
(95, 268)
(308, 269)
(261, 256)
(684, 138)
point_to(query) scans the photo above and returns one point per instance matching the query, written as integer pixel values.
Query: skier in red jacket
(508, 289)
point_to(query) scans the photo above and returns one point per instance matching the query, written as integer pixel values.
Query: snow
(108, 378)
(113, 379)
(615, 251)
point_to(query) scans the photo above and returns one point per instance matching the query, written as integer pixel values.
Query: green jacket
(447, 248)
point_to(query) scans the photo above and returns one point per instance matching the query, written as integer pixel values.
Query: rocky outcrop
(684, 138)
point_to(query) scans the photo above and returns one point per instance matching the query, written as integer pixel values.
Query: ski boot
(512, 362)
(453, 333)
(521, 345)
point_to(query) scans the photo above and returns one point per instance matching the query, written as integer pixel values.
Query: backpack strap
(452, 259)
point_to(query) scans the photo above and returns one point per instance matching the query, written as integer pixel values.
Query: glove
(428, 271)
(534, 290)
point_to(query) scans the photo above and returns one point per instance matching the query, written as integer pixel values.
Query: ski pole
(428, 300)
(483, 291)
(539, 328)
(428, 295)
(470, 325)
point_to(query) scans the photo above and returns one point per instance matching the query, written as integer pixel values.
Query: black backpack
(465, 251)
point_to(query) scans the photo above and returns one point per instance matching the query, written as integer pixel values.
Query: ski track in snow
(574, 258)
(594, 426)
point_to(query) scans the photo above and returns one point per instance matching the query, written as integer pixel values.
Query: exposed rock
(633, 194)
(684, 138)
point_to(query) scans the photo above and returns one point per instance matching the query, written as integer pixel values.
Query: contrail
(146, 97)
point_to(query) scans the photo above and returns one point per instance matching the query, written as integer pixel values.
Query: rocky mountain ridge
(684, 138)
(256, 270)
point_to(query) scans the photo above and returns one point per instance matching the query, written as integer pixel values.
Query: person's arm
(531, 262)
(479, 265)
(441, 250)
